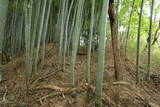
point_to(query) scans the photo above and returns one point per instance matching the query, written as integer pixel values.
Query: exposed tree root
(43, 77)
(65, 90)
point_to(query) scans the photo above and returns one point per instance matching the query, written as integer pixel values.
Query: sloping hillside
(49, 86)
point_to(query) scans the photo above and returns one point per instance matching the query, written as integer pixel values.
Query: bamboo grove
(26, 26)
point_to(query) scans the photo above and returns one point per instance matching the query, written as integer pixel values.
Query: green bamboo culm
(138, 45)
(30, 11)
(45, 31)
(71, 29)
(62, 25)
(3, 17)
(28, 16)
(75, 39)
(66, 33)
(101, 55)
(67, 7)
(35, 24)
(20, 32)
(58, 22)
(90, 43)
(40, 33)
(150, 43)
(13, 30)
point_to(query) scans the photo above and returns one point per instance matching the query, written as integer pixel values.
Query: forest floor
(50, 87)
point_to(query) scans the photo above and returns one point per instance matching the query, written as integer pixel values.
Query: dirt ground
(50, 86)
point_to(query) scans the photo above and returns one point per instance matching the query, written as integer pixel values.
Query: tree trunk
(150, 42)
(3, 17)
(45, 31)
(138, 44)
(62, 26)
(90, 42)
(114, 36)
(66, 33)
(35, 26)
(28, 16)
(40, 33)
(101, 55)
(117, 15)
(75, 39)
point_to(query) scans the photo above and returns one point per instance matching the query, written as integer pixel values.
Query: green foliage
(123, 17)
